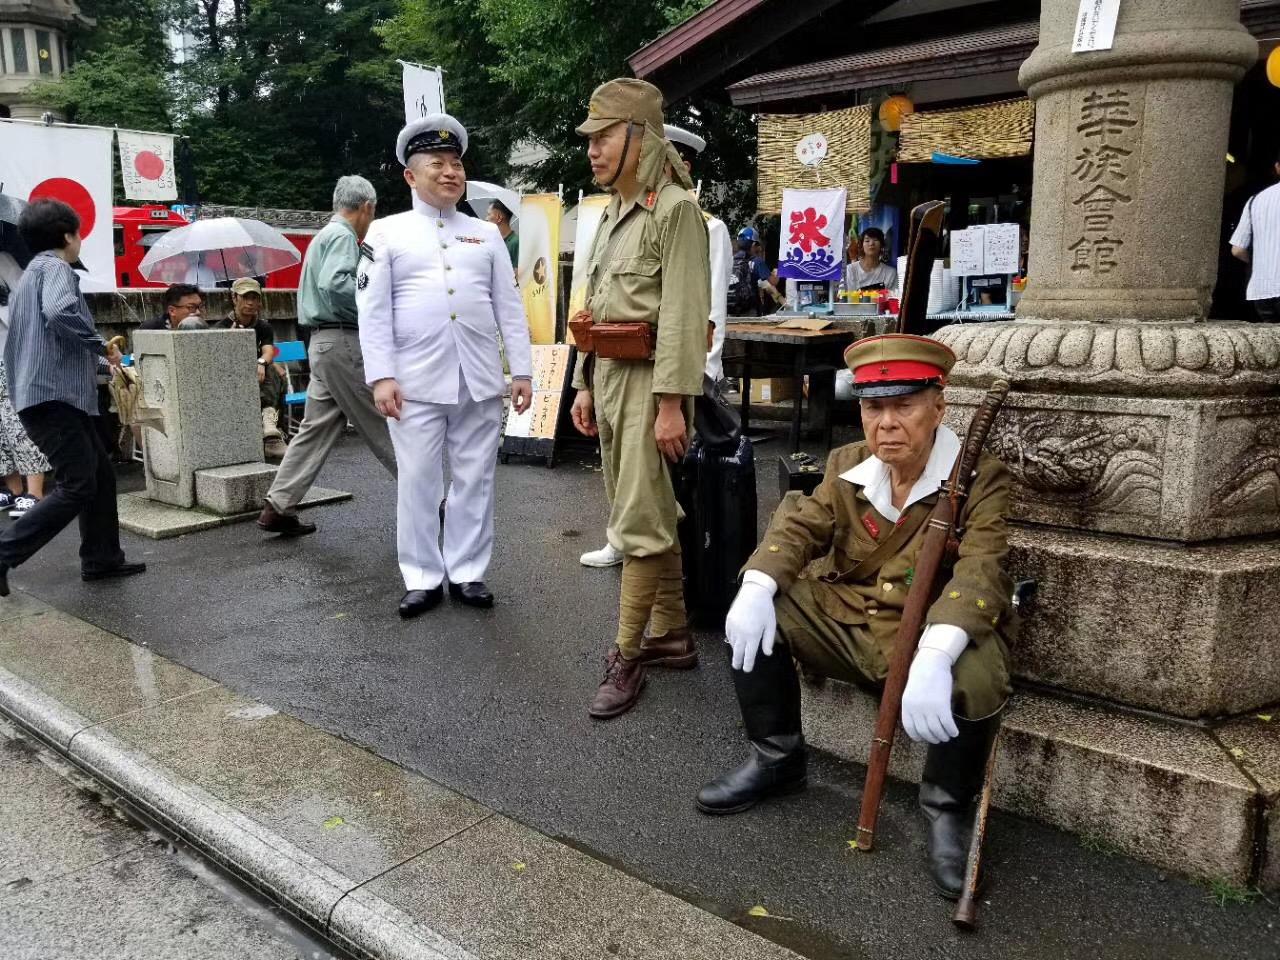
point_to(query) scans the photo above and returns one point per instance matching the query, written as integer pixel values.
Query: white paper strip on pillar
(423, 91)
(1096, 25)
(73, 165)
(146, 166)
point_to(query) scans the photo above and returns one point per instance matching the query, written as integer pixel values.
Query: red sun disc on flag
(149, 165)
(73, 195)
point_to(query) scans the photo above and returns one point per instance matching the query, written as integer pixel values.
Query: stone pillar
(203, 383)
(1145, 446)
(1130, 160)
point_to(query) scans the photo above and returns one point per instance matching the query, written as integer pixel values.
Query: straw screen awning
(848, 162)
(987, 132)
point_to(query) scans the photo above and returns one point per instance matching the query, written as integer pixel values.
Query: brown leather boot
(674, 649)
(620, 688)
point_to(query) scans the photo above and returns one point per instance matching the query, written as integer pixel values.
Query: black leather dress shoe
(474, 594)
(111, 573)
(416, 602)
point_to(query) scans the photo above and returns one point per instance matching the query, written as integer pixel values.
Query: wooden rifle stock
(966, 915)
(941, 539)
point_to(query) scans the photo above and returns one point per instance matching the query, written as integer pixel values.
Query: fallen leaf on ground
(338, 616)
(853, 844)
(333, 822)
(1264, 717)
(519, 867)
(1237, 752)
(759, 911)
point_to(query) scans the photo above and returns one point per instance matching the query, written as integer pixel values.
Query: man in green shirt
(337, 394)
(500, 217)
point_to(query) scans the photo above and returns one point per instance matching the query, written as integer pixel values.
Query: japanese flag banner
(72, 165)
(812, 236)
(146, 166)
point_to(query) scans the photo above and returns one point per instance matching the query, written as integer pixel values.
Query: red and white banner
(146, 166)
(72, 165)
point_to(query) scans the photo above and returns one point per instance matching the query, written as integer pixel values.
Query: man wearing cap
(720, 256)
(831, 577)
(246, 314)
(434, 291)
(648, 264)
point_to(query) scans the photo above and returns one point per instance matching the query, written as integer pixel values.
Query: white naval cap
(683, 136)
(435, 131)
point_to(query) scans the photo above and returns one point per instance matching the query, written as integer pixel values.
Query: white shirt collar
(424, 208)
(872, 475)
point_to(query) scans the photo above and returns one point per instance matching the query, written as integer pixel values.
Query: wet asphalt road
(493, 704)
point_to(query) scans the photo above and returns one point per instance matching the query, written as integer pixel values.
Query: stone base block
(1190, 469)
(1188, 631)
(234, 489)
(159, 521)
(1171, 794)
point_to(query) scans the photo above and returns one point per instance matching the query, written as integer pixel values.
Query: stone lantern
(33, 47)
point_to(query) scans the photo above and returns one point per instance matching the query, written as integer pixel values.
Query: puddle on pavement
(100, 802)
(792, 934)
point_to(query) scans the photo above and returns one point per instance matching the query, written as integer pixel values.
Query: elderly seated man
(827, 587)
(246, 314)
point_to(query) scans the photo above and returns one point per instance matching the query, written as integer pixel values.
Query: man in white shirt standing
(1257, 242)
(720, 250)
(434, 291)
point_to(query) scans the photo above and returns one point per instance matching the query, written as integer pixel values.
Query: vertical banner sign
(423, 91)
(539, 260)
(1096, 25)
(590, 213)
(811, 241)
(71, 165)
(146, 166)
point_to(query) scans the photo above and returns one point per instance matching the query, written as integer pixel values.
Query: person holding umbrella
(55, 354)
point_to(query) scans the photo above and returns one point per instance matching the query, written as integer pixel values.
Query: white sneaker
(22, 504)
(606, 556)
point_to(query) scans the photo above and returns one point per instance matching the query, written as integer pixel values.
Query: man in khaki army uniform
(832, 576)
(647, 264)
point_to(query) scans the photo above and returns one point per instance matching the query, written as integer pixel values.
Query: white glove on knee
(751, 623)
(926, 701)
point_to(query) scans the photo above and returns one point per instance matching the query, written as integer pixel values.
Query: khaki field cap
(896, 364)
(246, 285)
(624, 100)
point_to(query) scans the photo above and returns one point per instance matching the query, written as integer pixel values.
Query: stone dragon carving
(1252, 483)
(1082, 462)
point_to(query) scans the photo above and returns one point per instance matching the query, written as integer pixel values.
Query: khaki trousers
(337, 394)
(847, 652)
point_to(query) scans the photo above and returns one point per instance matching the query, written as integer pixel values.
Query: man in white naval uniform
(434, 290)
(720, 249)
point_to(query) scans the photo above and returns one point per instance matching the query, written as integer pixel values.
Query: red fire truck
(136, 228)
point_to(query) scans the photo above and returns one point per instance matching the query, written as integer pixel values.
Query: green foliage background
(280, 97)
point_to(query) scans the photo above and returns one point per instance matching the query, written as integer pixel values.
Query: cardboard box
(772, 389)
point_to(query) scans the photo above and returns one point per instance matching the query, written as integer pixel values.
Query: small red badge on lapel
(869, 522)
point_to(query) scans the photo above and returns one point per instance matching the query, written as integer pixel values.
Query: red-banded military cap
(895, 364)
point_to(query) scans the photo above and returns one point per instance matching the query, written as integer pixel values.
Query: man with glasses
(183, 310)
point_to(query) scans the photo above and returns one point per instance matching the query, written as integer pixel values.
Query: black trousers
(1268, 310)
(86, 489)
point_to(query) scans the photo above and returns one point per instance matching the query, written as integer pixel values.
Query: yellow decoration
(893, 110)
(954, 594)
(774, 548)
(982, 604)
(1273, 67)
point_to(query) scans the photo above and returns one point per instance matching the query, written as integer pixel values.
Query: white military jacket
(432, 299)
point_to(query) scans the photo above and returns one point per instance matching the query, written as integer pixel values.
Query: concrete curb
(298, 882)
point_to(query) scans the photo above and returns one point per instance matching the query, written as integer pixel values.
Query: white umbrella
(223, 248)
(479, 190)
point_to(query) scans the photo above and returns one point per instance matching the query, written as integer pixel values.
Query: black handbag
(716, 423)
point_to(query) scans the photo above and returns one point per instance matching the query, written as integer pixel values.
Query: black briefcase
(716, 487)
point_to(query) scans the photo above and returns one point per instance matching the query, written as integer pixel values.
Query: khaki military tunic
(648, 264)
(844, 626)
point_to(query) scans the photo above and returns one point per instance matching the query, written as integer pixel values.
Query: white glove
(926, 701)
(751, 622)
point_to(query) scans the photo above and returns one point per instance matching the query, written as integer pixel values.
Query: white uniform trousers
(471, 429)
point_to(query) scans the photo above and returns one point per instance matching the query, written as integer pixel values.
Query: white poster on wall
(1096, 25)
(967, 254)
(72, 165)
(423, 91)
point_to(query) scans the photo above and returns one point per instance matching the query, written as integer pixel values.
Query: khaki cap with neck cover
(625, 100)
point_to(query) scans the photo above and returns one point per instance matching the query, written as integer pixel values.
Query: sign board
(990, 250)
(533, 433)
(423, 91)
(1096, 25)
(967, 256)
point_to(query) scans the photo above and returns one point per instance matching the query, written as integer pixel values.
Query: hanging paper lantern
(1273, 67)
(893, 110)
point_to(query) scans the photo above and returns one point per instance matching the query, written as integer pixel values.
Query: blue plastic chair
(292, 351)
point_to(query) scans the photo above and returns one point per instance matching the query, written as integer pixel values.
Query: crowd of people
(412, 318)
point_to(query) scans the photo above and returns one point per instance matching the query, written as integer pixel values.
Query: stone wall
(119, 314)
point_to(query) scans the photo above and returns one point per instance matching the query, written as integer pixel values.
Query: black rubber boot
(770, 700)
(953, 773)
